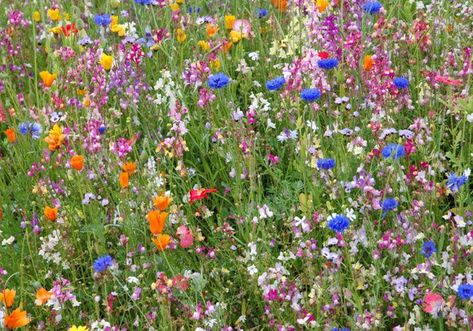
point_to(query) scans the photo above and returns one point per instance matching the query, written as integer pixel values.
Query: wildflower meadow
(236, 165)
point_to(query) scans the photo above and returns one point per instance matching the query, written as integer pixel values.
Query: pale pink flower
(433, 303)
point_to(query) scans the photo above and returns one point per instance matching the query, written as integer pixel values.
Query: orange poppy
(50, 213)
(68, 29)
(368, 62)
(161, 241)
(156, 220)
(124, 180)
(211, 29)
(47, 78)
(280, 4)
(16, 319)
(162, 202)
(7, 297)
(129, 167)
(77, 162)
(42, 296)
(11, 135)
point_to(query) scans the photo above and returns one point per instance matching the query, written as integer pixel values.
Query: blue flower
(394, 150)
(103, 263)
(262, 13)
(310, 94)
(326, 163)
(372, 7)
(276, 83)
(338, 223)
(454, 183)
(194, 10)
(428, 248)
(102, 129)
(103, 20)
(24, 127)
(328, 63)
(389, 204)
(342, 329)
(34, 128)
(401, 82)
(144, 2)
(465, 291)
(218, 81)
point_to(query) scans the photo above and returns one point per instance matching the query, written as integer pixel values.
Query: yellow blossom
(180, 35)
(106, 61)
(235, 36)
(54, 14)
(174, 6)
(204, 45)
(229, 20)
(36, 16)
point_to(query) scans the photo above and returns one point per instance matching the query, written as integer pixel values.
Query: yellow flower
(36, 16)
(229, 20)
(67, 16)
(47, 78)
(78, 328)
(321, 5)
(56, 30)
(113, 20)
(55, 138)
(235, 36)
(174, 6)
(54, 14)
(180, 2)
(180, 35)
(119, 29)
(215, 64)
(204, 45)
(106, 61)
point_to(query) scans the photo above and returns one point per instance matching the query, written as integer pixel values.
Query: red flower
(200, 194)
(324, 55)
(68, 29)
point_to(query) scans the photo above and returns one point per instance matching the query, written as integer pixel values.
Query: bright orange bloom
(280, 4)
(42, 296)
(368, 62)
(7, 297)
(156, 220)
(77, 162)
(11, 135)
(226, 46)
(161, 241)
(50, 213)
(162, 202)
(321, 5)
(55, 138)
(47, 78)
(211, 29)
(16, 319)
(68, 29)
(129, 167)
(124, 179)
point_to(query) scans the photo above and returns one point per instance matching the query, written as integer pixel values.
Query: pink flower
(433, 303)
(448, 80)
(185, 236)
(242, 26)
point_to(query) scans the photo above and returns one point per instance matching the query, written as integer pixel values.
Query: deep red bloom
(200, 194)
(68, 29)
(324, 55)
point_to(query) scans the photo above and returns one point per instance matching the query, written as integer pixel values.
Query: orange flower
(50, 213)
(77, 162)
(368, 62)
(16, 319)
(162, 202)
(47, 78)
(226, 46)
(124, 179)
(7, 297)
(321, 5)
(280, 4)
(161, 241)
(129, 167)
(55, 138)
(42, 296)
(156, 220)
(11, 135)
(211, 29)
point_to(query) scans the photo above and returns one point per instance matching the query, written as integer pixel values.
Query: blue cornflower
(103, 263)
(342, 329)
(34, 128)
(401, 82)
(372, 7)
(338, 223)
(194, 10)
(326, 164)
(428, 248)
(389, 204)
(454, 182)
(276, 83)
(465, 291)
(393, 150)
(103, 20)
(144, 2)
(310, 94)
(328, 63)
(218, 81)
(102, 129)
(262, 13)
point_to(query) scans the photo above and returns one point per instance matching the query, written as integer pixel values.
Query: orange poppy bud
(162, 202)
(129, 167)
(77, 162)
(47, 78)
(368, 62)
(156, 220)
(161, 241)
(280, 4)
(50, 213)
(42, 296)
(124, 179)
(16, 319)
(11, 135)
(7, 297)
